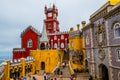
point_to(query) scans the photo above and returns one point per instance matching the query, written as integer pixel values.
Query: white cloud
(16, 15)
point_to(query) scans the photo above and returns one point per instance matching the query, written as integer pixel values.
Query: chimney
(71, 29)
(83, 24)
(78, 26)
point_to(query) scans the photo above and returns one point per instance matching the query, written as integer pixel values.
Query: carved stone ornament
(100, 34)
(101, 54)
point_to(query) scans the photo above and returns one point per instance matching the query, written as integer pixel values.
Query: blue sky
(16, 15)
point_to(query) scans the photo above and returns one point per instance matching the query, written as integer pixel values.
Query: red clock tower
(51, 22)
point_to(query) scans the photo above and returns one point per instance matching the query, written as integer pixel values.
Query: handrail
(56, 67)
(1, 75)
(1, 71)
(71, 70)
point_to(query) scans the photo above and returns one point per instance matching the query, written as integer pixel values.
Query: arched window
(117, 30)
(51, 43)
(62, 36)
(29, 44)
(118, 54)
(62, 45)
(55, 37)
(118, 76)
(87, 40)
(88, 53)
(55, 45)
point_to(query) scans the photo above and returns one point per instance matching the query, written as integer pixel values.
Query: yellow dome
(113, 2)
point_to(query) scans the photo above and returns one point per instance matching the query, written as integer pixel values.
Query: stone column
(23, 66)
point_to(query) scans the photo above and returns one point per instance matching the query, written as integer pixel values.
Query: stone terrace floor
(39, 77)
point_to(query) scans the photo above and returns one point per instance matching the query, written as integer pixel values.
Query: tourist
(61, 73)
(45, 76)
(34, 78)
(90, 78)
(21, 78)
(63, 64)
(55, 77)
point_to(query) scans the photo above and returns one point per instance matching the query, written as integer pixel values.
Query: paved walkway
(38, 77)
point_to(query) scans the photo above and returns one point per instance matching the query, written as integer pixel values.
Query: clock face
(49, 14)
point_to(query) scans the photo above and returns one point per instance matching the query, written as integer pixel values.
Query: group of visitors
(19, 78)
(24, 78)
(46, 76)
(73, 77)
(64, 64)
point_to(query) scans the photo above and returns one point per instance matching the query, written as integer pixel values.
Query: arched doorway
(103, 72)
(66, 56)
(42, 46)
(86, 65)
(42, 65)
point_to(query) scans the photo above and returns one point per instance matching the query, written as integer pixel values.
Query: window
(29, 43)
(62, 36)
(118, 54)
(118, 76)
(51, 43)
(49, 26)
(88, 53)
(100, 37)
(62, 45)
(55, 45)
(55, 37)
(58, 43)
(72, 44)
(54, 26)
(117, 30)
(87, 40)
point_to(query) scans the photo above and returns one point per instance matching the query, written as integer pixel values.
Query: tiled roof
(32, 28)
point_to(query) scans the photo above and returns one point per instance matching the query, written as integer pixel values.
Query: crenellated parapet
(17, 68)
(32, 28)
(19, 50)
(75, 33)
(2, 68)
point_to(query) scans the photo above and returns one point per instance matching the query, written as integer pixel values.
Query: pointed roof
(30, 28)
(44, 37)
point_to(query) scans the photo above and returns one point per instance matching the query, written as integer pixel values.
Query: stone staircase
(66, 72)
(83, 76)
(41, 72)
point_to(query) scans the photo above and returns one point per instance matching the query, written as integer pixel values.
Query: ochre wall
(49, 57)
(21, 65)
(113, 2)
(76, 43)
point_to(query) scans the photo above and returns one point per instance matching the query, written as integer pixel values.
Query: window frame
(87, 40)
(55, 37)
(118, 75)
(118, 54)
(29, 43)
(115, 29)
(62, 37)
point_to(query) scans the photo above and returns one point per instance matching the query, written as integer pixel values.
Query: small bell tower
(51, 22)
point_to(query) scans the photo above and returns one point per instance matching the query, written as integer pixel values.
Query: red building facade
(30, 37)
(57, 39)
(29, 41)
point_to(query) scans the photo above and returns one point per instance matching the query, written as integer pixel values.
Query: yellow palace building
(114, 2)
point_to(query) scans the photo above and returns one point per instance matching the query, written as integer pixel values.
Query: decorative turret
(78, 26)
(44, 39)
(51, 22)
(83, 24)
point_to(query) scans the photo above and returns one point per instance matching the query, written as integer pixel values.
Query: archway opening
(103, 72)
(86, 65)
(42, 65)
(42, 46)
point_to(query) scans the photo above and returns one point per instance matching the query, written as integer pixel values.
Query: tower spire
(44, 37)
